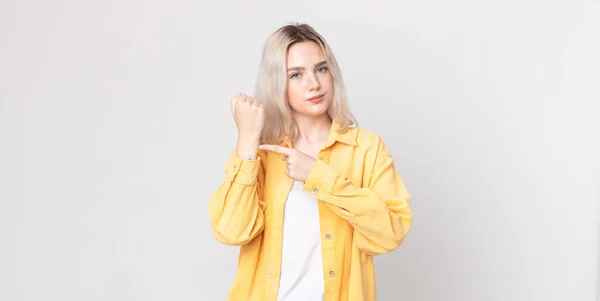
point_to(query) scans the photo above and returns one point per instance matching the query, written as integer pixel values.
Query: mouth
(317, 98)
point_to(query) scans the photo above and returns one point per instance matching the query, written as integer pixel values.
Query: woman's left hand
(299, 164)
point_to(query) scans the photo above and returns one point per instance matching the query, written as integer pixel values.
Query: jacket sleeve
(237, 208)
(379, 212)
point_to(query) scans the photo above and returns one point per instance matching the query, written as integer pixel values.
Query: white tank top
(301, 265)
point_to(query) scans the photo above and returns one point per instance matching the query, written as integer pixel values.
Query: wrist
(247, 147)
(249, 137)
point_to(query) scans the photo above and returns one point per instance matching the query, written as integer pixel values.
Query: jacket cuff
(320, 180)
(241, 171)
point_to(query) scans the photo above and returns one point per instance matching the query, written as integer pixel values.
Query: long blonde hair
(272, 81)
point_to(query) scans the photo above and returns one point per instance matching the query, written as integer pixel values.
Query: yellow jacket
(364, 211)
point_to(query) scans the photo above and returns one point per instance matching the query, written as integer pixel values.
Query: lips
(316, 99)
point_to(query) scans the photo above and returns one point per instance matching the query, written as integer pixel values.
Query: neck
(313, 129)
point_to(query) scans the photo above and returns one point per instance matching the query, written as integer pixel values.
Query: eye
(295, 75)
(322, 69)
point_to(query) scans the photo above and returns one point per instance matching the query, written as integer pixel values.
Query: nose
(313, 83)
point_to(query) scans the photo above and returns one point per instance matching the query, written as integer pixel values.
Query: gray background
(115, 128)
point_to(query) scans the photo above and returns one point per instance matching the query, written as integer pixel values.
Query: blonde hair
(272, 82)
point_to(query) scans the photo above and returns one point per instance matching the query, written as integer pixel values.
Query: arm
(236, 208)
(380, 212)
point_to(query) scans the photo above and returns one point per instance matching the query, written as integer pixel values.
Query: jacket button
(235, 167)
(331, 273)
(315, 190)
(327, 236)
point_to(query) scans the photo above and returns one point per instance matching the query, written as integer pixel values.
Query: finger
(284, 157)
(234, 102)
(276, 149)
(237, 100)
(251, 101)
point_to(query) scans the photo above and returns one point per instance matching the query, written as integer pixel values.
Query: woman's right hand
(248, 115)
(249, 118)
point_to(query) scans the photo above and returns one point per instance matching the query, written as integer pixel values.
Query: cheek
(327, 85)
(294, 93)
(327, 82)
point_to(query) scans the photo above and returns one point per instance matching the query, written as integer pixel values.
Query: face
(309, 83)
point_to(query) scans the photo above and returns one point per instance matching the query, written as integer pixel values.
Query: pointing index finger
(276, 149)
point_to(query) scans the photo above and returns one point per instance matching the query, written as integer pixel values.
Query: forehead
(304, 54)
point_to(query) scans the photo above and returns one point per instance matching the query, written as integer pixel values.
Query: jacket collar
(335, 135)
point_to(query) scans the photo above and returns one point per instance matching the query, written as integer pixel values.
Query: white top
(302, 264)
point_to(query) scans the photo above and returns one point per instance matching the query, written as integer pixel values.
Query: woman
(308, 196)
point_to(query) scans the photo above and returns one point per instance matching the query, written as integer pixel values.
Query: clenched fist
(248, 115)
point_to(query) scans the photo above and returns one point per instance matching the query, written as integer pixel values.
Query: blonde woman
(308, 195)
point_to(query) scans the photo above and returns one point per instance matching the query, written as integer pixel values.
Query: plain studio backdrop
(115, 126)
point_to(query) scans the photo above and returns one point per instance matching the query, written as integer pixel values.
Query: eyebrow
(302, 68)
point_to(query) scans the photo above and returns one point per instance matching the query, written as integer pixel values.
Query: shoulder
(366, 138)
(370, 144)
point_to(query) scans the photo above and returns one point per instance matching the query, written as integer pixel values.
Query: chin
(317, 114)
(316, 110)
